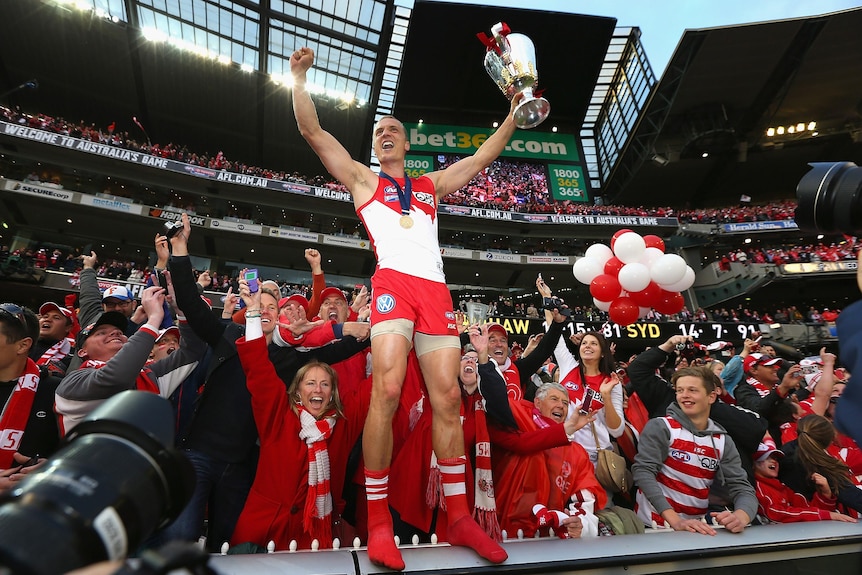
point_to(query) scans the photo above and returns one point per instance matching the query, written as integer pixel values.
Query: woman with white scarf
(306, 434)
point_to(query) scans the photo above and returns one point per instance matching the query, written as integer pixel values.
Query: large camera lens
(828, 198)
(100, 496)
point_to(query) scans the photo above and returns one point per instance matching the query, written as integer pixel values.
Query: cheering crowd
(292, 375)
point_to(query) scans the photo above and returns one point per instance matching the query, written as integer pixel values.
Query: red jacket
(552, 477)
(275, 504)
(781, 504)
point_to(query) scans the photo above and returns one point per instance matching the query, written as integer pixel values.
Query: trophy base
(531, 112)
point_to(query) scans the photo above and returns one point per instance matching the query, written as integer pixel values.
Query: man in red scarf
(54, 347)
(27, 424)
(113, 362)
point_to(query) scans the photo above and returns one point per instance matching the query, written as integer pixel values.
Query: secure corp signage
(44, 192)
(465, 141)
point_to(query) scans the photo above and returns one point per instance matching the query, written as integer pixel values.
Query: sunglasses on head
(14, 311)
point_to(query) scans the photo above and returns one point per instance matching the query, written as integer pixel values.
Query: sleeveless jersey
(413, 251)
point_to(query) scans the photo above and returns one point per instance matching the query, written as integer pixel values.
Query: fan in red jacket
(780, 504)
(306, 435)
(559, 478)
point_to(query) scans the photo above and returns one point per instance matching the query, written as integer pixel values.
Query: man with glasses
(28, 427)
(94, 302)
(763, 392)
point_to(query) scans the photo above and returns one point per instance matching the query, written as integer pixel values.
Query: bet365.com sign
(464, 141)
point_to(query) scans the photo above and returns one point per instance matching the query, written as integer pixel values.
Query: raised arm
(458, 174)
(359, 179)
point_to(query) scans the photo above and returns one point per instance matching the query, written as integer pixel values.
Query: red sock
(462, 529)
(381, 539)
(454, 487)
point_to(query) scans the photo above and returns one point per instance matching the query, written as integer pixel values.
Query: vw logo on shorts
(385, 303)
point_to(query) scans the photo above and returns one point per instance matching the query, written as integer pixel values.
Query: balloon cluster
(633, 275)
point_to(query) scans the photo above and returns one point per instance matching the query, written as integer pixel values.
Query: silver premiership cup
(511, 63)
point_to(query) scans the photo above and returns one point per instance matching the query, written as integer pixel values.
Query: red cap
(296, 298)
(330, 292)
(51, 306)
(753, 359)
(170, 329)
(493, 326)
(765, 449)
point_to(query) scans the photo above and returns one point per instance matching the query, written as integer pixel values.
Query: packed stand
(505, 185)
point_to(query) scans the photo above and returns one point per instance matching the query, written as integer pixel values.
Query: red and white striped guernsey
(686, 474)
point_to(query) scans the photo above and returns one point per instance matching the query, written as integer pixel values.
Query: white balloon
(586, 270)
(602, 305)
(634, 277)
(686, 282)
(629, 247)
(599, 252)
(668, 269)
(651, 255)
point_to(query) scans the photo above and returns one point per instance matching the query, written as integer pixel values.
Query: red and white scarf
(485, 507)
(761, 388)
(484, 502)
(142, 383)
(316, 520)
(16, 413)
(540, 420)
(57, 351)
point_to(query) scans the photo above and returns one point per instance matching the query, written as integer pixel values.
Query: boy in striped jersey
(681, 454)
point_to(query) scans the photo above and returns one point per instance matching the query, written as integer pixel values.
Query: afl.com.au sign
(236, 226)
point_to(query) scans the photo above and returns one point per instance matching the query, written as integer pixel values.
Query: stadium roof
(721, 92)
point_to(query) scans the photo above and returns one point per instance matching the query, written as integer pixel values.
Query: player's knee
(448, 400)
(387, 392)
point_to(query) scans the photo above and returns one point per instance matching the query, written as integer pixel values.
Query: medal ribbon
(404, 195)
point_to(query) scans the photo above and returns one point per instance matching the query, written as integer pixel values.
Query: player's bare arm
(359, 179)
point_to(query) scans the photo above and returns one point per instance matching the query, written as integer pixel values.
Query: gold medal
(406, 222)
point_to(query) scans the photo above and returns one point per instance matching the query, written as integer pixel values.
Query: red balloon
(618, 234)
(623, 311)
(613, 266)
(652, 241)
(648, 296)
(605, 287)
(669, 302)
